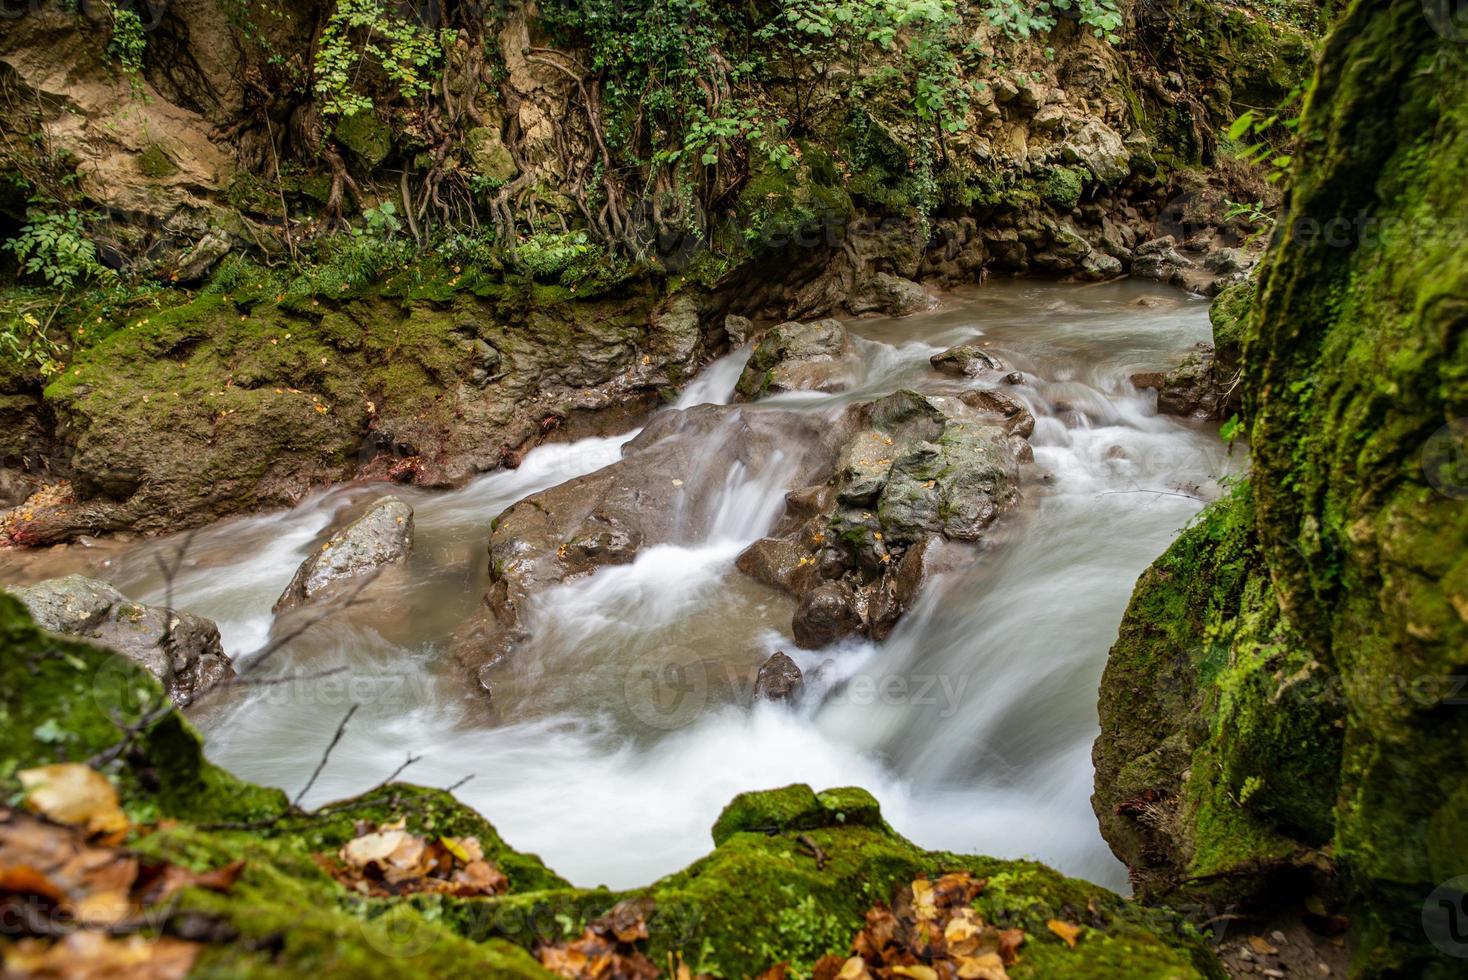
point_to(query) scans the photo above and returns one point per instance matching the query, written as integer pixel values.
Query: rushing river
(624, 726)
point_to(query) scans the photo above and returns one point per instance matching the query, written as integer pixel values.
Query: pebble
(1278, 937)
(1274, 973)
(1322, 969)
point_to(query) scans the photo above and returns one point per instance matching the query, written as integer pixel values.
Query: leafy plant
(563, 256)
(818, 41)
(361, 33)
(381, 222)
(347, 262)
(1255, 213)
(24, 340)
(1267, 139)
(54, 245)
(1026, 18)
(128, 42)
(1251, 126)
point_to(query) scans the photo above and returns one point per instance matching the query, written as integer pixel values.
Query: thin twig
(340, 603)
(326, 755)
(399, 770)
(1169, 493)
(450, 789)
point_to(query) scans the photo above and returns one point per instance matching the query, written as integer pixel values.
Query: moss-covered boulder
(1286, 676)
(794, 873)
(1219, 752)
(256, 391)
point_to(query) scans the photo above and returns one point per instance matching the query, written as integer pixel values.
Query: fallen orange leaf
(74, 794)
(1065, 930)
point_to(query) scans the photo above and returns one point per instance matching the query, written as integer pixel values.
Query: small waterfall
(715, 383)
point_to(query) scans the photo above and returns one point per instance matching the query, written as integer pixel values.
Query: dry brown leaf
(388, 860)
(95, 956)
(962, 929)
(924, 903)
(600, 953)
(931, 932)
(21, 879)
(103, 908)
(74, 794)
(916, 972)
(410, 859)
(1010, 941)
(1262, 946)
(172, 878)
(1065, 930)
(362, 851)
(480, 878)
(986, 966)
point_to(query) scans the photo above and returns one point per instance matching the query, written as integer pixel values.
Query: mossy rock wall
(1328, 601)
(243, 397)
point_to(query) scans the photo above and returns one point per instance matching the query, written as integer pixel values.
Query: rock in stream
(669, 487)
(382, 536)
(179, 648)
(921, 468)
(797, 357)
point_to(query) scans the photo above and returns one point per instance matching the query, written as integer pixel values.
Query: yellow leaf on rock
(960, 928)
(458, 850)
(922, 898)
(74, 794)
(916, 972)
(1065, 930)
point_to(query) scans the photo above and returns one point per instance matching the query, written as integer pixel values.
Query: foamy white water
(624, 726)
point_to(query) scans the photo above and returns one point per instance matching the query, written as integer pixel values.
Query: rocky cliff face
(1308, 632)
(423, 288)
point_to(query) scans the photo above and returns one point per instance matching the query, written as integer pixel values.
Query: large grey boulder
(1101, 149)
(890, 295)
(826, 614)
(381, 536)
(1160, 261)
(795, 356)
(179, 648)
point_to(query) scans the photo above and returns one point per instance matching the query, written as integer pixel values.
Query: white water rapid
(628, 723)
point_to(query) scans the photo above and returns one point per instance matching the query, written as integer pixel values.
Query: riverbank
(231, 348)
